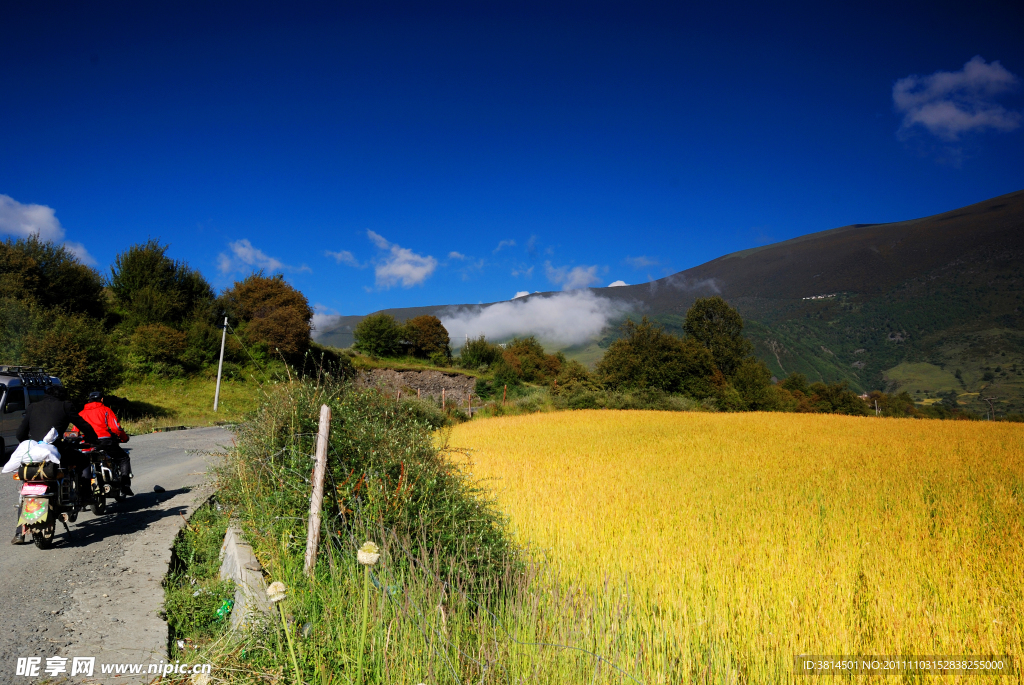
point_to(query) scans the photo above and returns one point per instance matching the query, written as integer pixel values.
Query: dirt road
(97, 593)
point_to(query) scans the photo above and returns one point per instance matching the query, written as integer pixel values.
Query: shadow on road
(122, 518)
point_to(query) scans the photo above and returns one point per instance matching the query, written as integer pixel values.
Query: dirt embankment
(457, 387)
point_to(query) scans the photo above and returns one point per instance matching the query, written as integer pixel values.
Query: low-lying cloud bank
(564, 319)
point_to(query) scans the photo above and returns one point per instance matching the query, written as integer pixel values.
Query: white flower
(277, 591)
(200, 679)
(368, 554)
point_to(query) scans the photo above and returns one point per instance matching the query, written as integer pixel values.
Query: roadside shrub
(193, 591)
(385, 473)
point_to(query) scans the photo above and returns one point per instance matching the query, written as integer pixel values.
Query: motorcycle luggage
(46, 470)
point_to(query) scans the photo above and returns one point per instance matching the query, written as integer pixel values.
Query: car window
(36, 394)
(15, 400)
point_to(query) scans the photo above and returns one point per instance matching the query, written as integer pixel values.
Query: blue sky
(384, 155)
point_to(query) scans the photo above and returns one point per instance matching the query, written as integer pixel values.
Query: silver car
(19, 386)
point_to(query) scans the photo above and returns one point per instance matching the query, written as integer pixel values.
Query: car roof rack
(29, 375)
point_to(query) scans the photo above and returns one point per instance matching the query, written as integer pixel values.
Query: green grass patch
(157, 403)
(196, 602)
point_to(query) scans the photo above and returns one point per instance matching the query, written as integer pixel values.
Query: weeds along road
(97, 592)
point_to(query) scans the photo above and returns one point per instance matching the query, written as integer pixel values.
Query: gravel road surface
(97, 593)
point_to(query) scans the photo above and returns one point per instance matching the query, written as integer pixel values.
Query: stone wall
(457, 387)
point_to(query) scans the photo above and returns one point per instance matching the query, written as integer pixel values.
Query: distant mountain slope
(945, 291)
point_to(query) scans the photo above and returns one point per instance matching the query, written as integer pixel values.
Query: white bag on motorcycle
(34, 452)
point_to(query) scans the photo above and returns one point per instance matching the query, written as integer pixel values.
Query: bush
(385, 472)
(378, 335)
(479, 354)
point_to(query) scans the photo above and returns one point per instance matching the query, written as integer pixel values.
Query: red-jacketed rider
(110, 434)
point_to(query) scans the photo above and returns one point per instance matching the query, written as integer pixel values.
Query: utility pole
(991, 408)
(220, 365)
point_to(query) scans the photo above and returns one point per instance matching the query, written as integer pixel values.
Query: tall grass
(741, 540)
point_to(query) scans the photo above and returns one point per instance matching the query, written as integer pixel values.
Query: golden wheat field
(746, 539)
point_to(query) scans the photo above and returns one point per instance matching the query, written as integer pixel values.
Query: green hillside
(899, 306)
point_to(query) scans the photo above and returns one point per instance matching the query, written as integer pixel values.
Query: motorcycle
(105, 478)
(50, 494)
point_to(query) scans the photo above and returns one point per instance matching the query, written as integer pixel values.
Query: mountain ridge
(888, 294)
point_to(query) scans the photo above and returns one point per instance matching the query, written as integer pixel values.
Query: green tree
(478, 352)
(719, 328)
(428, 337)
(150, 287)
(77, 349)
(527, 358)
(796, 382)
(272, 312)
(837, 398)
(379, 335)
(753, 382)
(574, 377)
(50, 275)
(648, 357)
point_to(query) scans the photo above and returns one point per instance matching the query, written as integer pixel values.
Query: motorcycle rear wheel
(41, 541)
(99, 508)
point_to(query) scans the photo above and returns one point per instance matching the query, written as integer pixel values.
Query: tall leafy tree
(152, 288)
(379, 335)
(646, 357)
(49, 275)
(427, 335)
(270, 311)
(719, 328)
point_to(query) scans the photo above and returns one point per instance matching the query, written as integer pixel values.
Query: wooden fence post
(442, 399)
(317, 500)
(503, 394)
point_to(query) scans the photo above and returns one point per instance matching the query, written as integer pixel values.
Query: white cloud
(78, 249)
(244, 256)
(23, 221)
(402, 265)
(522, 270)
(574, 278)
(951, 103)
(456, 255)
(617, 284)
(503, 244)
(344, 257)
(641, 262)
(562, 319)
(323, 319)
(521, 293)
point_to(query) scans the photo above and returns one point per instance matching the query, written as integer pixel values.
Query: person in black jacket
(54, 411)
